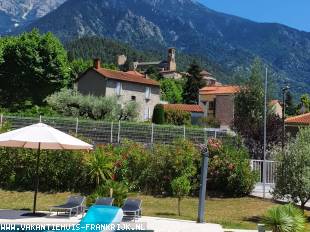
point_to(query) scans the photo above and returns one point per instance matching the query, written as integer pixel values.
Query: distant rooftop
(228, 89)
(303, 119)
(184, 107)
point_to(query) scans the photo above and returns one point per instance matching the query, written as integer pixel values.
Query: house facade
(217, 102)
(125, 86)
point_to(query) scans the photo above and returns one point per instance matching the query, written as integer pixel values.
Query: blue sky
(294, 13)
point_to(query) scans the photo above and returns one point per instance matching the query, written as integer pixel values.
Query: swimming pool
(98, 218)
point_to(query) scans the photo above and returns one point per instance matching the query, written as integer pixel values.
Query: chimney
(97, 63)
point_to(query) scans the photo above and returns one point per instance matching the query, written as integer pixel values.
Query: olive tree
(293, 172)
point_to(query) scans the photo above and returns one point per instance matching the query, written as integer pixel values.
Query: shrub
(59, 170)
(168, 162)
(158, 115)
(210, 122)
(131, 161)
(71, 103)
(229, 170)
(285, 218)
(117, 190)
(100, 166)
(292, 174)
(177, 117)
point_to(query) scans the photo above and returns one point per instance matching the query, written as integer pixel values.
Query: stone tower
(172, 65)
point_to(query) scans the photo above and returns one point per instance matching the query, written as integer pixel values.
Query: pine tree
(290, 107)
(193, 84)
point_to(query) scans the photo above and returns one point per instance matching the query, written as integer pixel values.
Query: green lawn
(240, 213)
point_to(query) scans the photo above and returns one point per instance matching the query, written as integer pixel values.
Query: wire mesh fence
(116, 132)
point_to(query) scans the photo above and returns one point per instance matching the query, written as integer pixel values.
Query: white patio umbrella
(41, 137)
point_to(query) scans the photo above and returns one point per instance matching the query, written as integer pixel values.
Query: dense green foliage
(100, 166)
(249, 114)
(285, 218)
(110, 188)
(68, 102)
(132, 165)
(177, 117)
(32, 66)
(158, 114)
(171, 90)
(193, 84)
(229, 169)
(293, 172)
(304, 105)
(59, 170)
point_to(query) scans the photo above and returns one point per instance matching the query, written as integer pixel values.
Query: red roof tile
(300, 119)
(184, 107)
(228, 89)
(125, 76)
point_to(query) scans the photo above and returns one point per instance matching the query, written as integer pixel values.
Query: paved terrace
(152, 223)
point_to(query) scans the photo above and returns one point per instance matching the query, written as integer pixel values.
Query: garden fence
(116, 132)
(271, 166)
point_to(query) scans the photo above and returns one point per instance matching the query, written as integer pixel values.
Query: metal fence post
(119, 132)
(184, 132)
(76, 126)
(1, 120)
(215, 134)
(152, 134)
(40, 120)
(111, 133)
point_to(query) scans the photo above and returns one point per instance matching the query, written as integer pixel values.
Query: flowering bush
(229, 170)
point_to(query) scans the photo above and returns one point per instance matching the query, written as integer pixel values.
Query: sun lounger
(104, 201)
(132, 209)
(74, 204)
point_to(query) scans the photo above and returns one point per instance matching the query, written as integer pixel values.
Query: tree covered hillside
(107, 50)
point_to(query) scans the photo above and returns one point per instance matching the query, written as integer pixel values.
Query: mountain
(14, 13)
(190, 26)
(107, 50)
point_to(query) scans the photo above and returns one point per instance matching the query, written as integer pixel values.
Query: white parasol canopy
(48, 138)
(41, 137)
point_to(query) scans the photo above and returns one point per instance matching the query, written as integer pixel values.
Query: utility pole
(265, 135)
(284, 90)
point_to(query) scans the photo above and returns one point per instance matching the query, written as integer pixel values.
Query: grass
(238, 213)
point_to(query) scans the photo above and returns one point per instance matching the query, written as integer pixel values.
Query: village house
(292, 124)
(126, 86)
(217, 102)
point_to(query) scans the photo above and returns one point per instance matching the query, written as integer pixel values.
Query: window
(147, 113)
(212, 105)
(147, 93)
(118, 89)
(133, 98)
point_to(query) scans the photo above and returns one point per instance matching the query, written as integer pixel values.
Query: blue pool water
(96, 215)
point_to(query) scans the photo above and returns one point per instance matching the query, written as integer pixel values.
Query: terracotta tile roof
(184, 107)
(228, 89)
(125, 76)
(135, 73)
(300, 119)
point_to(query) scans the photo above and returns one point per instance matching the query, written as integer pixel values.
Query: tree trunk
(179, 206)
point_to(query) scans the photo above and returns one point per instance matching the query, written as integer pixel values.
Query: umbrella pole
(36, 181)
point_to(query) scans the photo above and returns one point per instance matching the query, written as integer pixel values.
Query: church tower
(172, 65)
